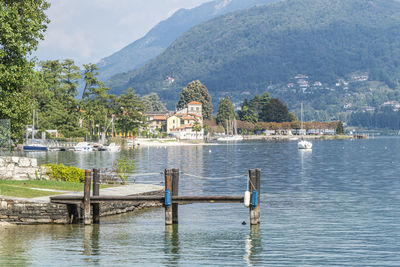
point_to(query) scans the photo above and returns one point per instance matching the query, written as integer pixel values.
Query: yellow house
(181, 125)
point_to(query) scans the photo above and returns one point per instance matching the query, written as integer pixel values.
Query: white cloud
(88, 30)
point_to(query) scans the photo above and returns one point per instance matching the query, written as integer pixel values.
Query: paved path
(124, 190)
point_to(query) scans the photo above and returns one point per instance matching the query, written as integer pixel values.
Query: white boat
(83, 146)
(231, 132)
(303, 144)
(113, 148)
(230, 138)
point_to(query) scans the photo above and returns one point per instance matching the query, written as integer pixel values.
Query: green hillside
(249, 50)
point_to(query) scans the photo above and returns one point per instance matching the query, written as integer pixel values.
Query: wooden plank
(175, 192)
(86, 198)
(177, 199)
(96, 192)
(168, 186)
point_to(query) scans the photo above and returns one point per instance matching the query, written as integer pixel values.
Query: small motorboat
(303, 144)
(83, 146)
(112, 148)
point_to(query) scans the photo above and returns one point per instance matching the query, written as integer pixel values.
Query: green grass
(25, 188)
(15, 191)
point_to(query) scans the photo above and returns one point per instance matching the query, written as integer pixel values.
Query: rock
(24, 162)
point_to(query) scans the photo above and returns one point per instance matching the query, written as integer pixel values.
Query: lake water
(338, 204)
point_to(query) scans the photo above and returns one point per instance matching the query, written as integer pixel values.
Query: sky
(89, 30)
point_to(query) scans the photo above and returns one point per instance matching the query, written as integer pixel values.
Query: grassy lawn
(24, 188)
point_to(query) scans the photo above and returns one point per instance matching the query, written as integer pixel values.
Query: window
(198, 108)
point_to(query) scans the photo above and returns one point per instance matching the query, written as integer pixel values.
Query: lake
(338, 204)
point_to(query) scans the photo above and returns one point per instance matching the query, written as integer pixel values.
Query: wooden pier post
(254, 184)
(96, 192)
(175, 192)
(86, 197)
(168, 187)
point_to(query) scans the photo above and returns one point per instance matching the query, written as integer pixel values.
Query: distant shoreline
(144, 142)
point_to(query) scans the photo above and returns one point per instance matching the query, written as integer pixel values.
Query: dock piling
(254, 185)
(96, 192)
(168, 188)
(86, 197)
(174, 193)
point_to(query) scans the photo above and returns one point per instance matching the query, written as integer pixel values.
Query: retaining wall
(16, 210)
(19, 168)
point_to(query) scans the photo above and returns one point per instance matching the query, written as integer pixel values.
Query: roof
(195, 103)
(160, 117)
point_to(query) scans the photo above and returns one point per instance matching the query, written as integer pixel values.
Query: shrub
(60, 172)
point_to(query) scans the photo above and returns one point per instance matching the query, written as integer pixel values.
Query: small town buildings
(187, 123)
(157, 121)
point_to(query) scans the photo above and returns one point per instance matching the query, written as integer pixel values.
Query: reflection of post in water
(253, 246)
(86, 240)
(95, 239)
(172, 243)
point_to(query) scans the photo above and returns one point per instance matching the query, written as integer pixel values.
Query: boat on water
(112, 148)
(83, 146)
(35, 145)
(230, 138)
(303, 144)
(232, 128)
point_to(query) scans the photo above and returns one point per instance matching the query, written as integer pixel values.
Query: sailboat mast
(33, 124)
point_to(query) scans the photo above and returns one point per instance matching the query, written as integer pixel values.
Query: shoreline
(143, 142)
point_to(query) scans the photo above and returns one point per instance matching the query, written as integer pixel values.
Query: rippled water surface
(338, 204)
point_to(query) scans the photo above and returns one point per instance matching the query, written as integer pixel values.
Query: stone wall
(19, 168)
(23, 211)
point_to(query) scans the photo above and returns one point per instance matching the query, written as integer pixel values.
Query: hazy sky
(88, 30)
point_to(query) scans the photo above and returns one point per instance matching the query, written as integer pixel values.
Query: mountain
(162, 35)
(247, 51)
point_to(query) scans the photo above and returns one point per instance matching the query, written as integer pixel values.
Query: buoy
(247, 198)
(167, 200)
(254, 199)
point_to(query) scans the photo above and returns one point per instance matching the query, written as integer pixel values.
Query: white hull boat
(113, 148)
(230, 138)
(83, 146)
(303, 144)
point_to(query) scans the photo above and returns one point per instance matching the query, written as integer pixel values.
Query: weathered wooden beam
(175, 199)
(96, 192)
(254, 186)
(86, 197)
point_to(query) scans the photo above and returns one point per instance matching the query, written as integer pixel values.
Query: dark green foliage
(22, 24)
(225, 112)
(152, 103)
(274, 111)
(253, 48)
(61, 172)
(340, 128)
(384, 118)
(196, 91)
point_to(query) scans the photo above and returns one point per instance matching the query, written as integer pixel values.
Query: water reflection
(253, 248)
(172, 245)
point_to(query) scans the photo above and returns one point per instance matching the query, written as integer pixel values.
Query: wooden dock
(171, 199)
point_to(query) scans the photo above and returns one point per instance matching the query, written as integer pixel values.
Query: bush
(61, 172)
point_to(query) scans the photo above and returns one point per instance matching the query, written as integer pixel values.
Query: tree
(196, 91)
(340, 128)
(22, 26)
(246, 114)
(275, 111)
(197, 127)
(129, 112)
(257, 103)
(225, 111)
(152, 103)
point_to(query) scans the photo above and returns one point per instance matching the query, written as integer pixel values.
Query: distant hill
(162, 35)
(249, 50)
